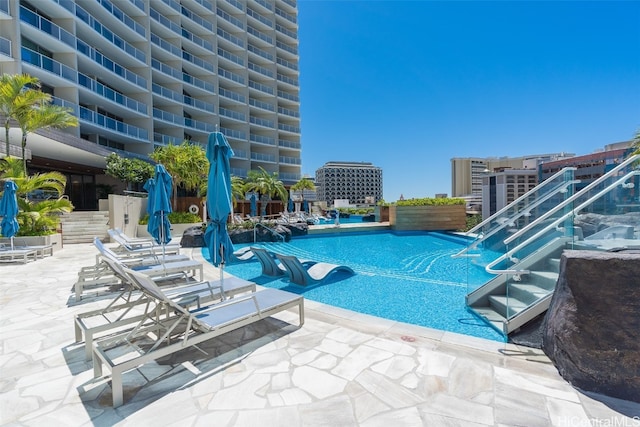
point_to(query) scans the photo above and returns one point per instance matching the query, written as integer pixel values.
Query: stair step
(543, 279)
(490, 315)
(84, 226)
(527, 293)
(500, 303)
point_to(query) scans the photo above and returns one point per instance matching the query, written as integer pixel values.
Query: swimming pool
(408, 277)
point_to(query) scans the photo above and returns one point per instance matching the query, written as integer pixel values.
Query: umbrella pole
(11, 242)
(222, 274)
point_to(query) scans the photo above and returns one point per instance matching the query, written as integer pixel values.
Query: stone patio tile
(334, 347)
(319, 384)
(408, 417)
(367, 405)
(359, 359)
(244, 395)
(274, 417)
(395, 347)
(336, 411)
(454, 407)
(469, 378)
(552, 388)
(396, 367)
(387, 391)
(434, 363)
(562, 412)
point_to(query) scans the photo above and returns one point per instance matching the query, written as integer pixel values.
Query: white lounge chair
(309, 275)
(270, 267)
(127, 309)
(127, 351)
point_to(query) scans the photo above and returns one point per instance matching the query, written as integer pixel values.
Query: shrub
(175, 218)
(431, 201)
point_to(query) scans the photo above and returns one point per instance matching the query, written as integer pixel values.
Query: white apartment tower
(145, 73)
(358, 182)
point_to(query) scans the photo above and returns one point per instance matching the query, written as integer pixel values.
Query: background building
(141, 74)
(467, 172)
(502, 187)
(358, 182)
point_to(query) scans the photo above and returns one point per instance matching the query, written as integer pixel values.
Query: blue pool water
(404, 277)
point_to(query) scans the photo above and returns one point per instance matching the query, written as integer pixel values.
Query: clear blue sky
(408, 85)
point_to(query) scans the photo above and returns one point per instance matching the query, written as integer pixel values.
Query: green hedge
(431, 201)
(176, 218)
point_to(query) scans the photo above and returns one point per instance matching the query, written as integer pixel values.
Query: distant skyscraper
(358, 182)
(142, 74)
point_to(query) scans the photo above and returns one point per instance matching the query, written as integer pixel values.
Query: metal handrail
(562, 187)
(255, 227)
(519, 199)
(554, 224)
(571, 199)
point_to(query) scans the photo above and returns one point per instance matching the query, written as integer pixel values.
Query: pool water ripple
(408, 278)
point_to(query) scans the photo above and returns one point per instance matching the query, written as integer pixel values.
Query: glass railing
(230, 37)
(288, 112)
(262, 70)
(259, 52)
(5, 46)
(231, 76)
(92, 22)
(4, 7)
(232, 114)
(123, 17)
(289, 17)
(289, 176)
(231, 95)
(197, 61)
(290, 160)
(230, 56)
(172, 4)
(261, 87)
(166, 22)
(198, 20)
(263, 105)
(259, 34)
(177, 74)
(262, 122)
(183, 99)
(288, 128)
(48, 64)
(287, 64)
(289, 96)
(138, 3)
(289, 144)
(200, 125)
(108, 123)
(267, 5)
(262, 139)
(232, 20)
(291, 49)
(261, 157)
(240, 154)
(197, 40)
(204, 3)
(162, 43)
(601, 216)
(238, 4)
(110, 94)
(46, 26)
(162, 139)
(492, 232)
(233, 133)
(255, 15)
(286, 31)
(291, 3)
(289, 80)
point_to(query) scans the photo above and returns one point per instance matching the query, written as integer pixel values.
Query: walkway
(340, 369)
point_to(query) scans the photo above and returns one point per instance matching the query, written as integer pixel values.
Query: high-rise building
(358, 182)
(501, 187)
(141, 74)
(467, 172)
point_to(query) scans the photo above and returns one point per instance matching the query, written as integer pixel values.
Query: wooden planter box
(427, 218)
(381, 213)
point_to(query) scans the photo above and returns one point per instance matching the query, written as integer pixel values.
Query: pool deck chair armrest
(122, 352)
(309, 275)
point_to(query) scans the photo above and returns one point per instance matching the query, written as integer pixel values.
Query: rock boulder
(592, 328)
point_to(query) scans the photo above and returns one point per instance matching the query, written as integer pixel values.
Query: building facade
(358, 182)
(500, 188)
(467, 172)
(142, 74)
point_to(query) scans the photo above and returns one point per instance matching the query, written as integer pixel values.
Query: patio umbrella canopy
(218, 204)
(159, 205)
(290, 205)
(9, 210)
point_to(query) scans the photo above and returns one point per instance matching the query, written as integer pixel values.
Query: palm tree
(186, 163)
(36, 216)
(12, 87)
(34, 113)
(636, 143)
(268, 185)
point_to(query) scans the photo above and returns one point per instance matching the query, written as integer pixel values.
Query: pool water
(404, 277)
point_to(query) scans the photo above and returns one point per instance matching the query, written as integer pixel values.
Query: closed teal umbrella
(219, 205)
(9, 210)
(253, 205)
(159, 205)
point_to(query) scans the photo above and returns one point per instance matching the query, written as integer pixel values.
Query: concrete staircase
(82, 227)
